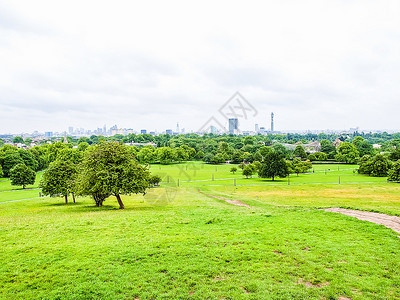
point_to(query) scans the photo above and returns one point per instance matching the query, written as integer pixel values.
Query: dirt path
(391, 222)
(234, 202)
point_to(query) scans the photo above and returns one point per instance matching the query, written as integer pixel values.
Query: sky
(150, 64)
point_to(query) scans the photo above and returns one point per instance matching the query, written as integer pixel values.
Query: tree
(165, 155)
(377, 166)
(298, 166)
(363, 147)
(22, 175)
(347, 153)
(247, 171)
(320, 156)
(110, 169)
(300, 152)
(1, 172)
(328, 148)
(233, 170)
(17, 140)
(154, 180)
(273, 165)
(394, 172)
(59, 179)
(11, 159)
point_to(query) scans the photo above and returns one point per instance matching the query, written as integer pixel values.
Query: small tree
(297, 166)
(394, 172)
(273, 165)
(300, 152)
(247, 171)
(59, 179)
(22, 175)
(1, 172)
(233, 170)
(154, 180)
(110, 169)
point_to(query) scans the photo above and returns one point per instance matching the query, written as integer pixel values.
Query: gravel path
(391, 222)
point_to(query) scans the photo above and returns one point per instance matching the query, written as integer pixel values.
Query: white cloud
(316, 64)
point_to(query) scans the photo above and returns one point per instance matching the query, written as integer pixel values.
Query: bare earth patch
(391, 222)
(234, 202)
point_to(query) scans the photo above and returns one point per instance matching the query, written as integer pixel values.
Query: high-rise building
(233, 126)
(256, 128)
(168, 131)
(272, 122)
(48, 134)
(143, 131)
(71, 130)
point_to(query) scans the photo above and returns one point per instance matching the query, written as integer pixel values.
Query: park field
(178, 243)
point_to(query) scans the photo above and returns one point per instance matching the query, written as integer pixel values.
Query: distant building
(48, 134)
(272, 122)
(143, 131)
(168, 131)
(233, 126)
(256, 128)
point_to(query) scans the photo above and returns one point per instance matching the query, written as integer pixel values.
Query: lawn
(175, 243)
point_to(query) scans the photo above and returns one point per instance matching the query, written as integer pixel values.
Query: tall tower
(272, 122)
(177, 127)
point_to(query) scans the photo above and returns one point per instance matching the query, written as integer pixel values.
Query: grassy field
(175, 243)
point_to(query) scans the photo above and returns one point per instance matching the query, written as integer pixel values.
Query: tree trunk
(73, 197)
(66, 199)
(273, 178)
(121, 205)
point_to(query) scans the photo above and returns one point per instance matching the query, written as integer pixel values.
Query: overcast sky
(148, 64)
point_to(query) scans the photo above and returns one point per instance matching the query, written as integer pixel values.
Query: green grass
(198, 247)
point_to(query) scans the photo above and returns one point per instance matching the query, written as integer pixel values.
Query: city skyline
(295, 59)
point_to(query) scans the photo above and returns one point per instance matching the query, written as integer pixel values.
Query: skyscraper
(272, 122)
(233, 126)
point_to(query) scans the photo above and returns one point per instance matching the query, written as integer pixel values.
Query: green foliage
(11, 159)
(110, 169)
(298, 166)
(165, 155)
(233, 170)
(347, 153)
(146, 155)
(1, 172)
(18, 139)
(273, 165)
(83, 146)
(363, 147)
(318, 156)
(154, 180)
(247, 171)
(59, 179)
(22, 175)
(300, 152)
(394, 172)
(328, 148)
(377, 166)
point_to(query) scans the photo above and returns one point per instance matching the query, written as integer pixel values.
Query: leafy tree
(320, 156)
(248, 171)
(181, 154)
(110, 169)
(28, 158)
(208, 158)
(377, 166)
(256, 166)
(363, 147)
(300, 152)
(18, 139)
(83, 146)
(165, 155)
(1, 172)
(347, 153)
(394, 172)
(328, 148)
(146, 155)
(218, 159)
(22, 175)
(233, 170)
(273, 165)
(11, 159)
(59, 179)
(242, 165)
(154, 180)
(298, 166)
(280, 150)
(365, 165)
